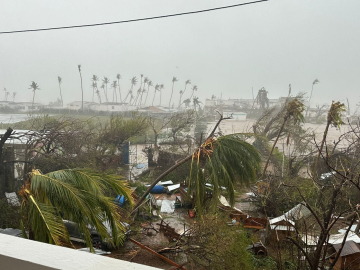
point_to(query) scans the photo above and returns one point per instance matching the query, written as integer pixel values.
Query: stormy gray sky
(230, 51)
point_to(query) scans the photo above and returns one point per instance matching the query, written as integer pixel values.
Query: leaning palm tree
(316, 81)
(94, 80)
(187, 102)
(93, 86)
(294, 110)
(105, 82)
(174, 79)
(82, 91)
(60, 81)
(133, 83)
(13, 96)
(118, 77)
(34, 87)
(103, 88)
(333, 118)
(7, 95)
(220, 161)
(143, 90)
(79, 196)
(161, 87)
(98, 94)
(156, 89)
(194, 88)
(149, 83)
(196, 102)
(114, 86)
(182, 92)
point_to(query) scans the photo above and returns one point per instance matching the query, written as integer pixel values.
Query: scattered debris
(167, 206)
(12, 199)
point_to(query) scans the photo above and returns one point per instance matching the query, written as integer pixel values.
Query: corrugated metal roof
(296, 213)
(282, 228)
(338, 238)
(350, 247)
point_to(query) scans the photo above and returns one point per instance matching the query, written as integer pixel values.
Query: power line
(133, 20)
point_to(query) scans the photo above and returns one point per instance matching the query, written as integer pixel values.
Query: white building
(29, 106)
(112, 107)
(76, 105)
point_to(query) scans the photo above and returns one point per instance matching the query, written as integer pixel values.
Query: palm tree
(94, 86)
(174, 79)
(60, 81)
(34, 87)
(79, 196)
(149, 84)
(183, 92)
(194, 88)
(333, 118)
(82, 91)
(138, 92)
(114, 86)
(5, 93)
(156, 89)
(94, 80)
(316, 81)
(196, 102)
(161, 87)
(118, 77)
(220, 161)
(143, 90)
(294, 111)
(98, 94)
(103, 88)
(187, 102)
(133, 83)
(105, 82)
(13, 95)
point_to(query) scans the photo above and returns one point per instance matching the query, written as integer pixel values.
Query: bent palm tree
(333, 118)
(194, 88)
(133, 83)
(60, 81)
(147, 93)
(183, 92)
(94, 80)
(114, 86)
(98, 94)
(222, 161)
(161, 87)
(294, 111)
(13, 95)
(105, 82)
(156, 89)
(174, 79)
(143, 90)
(34, 87)
(74, 195)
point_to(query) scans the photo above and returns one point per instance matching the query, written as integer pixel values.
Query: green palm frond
(77, 195)
(223, 161)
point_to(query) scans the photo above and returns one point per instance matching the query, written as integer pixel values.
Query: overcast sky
(271, 44)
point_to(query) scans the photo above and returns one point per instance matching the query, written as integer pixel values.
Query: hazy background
(270, 44)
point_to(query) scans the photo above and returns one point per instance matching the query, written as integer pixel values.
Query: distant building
(236, 116)
(112, 107)
(76, 105)
(29, 106)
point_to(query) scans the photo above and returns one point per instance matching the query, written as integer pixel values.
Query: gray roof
(350, 247)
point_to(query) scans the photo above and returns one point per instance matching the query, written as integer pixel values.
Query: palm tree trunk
(272, 149)
(33, 99)
(322, 145)
(147, 95)
(152, 104)
(160, 98)
(62, 104)
(82, 93)
(172, 90)
(119, 91)
(172, 168)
